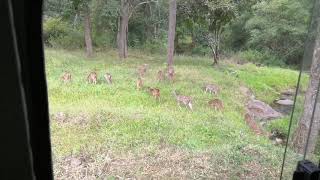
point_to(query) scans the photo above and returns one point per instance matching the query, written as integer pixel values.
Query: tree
(279, 27)
(127, 8)
(123, 23)
(213, 16)
(87, 32)
(310, 119)
(171, 32)
(220, 14)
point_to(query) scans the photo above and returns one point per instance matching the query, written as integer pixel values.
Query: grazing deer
(212, 89)
(66, 77)
(108, 78)
(139, 83)
(142, 70)
(160, 76)
(170, 73)
(92, 78)
(155, 92)
(183, 100)
(216, 104)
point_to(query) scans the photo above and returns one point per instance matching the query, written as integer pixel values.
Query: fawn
(216, 104)
(210, 88)
(155, 92)
(92, 78)
(66, 77)
(108, 78)
(139, 83)
(183, 100)
(160, 76)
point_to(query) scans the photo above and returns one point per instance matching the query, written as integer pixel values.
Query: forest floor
(115, 131)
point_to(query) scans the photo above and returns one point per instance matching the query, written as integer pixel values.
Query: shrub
(60, 34)
(258, 57)
(279, 125)
(155, 46)
(201, 50)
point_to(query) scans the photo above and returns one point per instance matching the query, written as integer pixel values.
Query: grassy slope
(119, 118)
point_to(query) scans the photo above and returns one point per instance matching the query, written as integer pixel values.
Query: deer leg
(190, 106)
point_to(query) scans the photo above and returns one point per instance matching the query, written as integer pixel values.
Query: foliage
(275, 28)
(58, 33)
(263, 57)
(279, 26)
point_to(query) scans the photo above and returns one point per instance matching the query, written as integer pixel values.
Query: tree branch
(139, 4)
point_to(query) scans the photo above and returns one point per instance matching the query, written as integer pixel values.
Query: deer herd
(167, 73)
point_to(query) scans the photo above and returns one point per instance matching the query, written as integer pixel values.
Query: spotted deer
(216, 104)
(160, 76)
(92, 78)
(170, 73)
(139, 83)
(108, 78)
(66, 77)
(155, 92)
(142, 70)
(212, 89)
(183, 100)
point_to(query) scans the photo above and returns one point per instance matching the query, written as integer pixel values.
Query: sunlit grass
(119, 117)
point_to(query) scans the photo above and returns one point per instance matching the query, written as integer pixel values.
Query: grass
(130, 126)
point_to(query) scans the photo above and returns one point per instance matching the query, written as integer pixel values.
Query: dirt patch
(63, 118)
(162, 163)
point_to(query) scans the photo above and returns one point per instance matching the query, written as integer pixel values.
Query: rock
(285, 102)
(289, 92)
(262, 111)
(253, 124)
(284, 106)
(246, 92)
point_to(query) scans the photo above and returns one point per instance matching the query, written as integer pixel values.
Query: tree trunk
(87, 33)
(122, 36)
(216, 47)
(171, 32)
(300, 138)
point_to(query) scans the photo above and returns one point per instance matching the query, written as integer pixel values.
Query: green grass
(120, 118)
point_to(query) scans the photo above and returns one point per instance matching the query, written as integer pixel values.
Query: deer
(183, 100)
(108, 78)
(155, 92)
(66, 77)
(216, 104)
(92, 78)
(170, 73)
(142, 70)
(139, 83)
(212, 89)
(160, 76)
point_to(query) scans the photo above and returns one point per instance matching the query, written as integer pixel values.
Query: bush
(280, 125)
(280, 27)
(103, 40)
(155, 46)
(60, 34)
(258, 57)
(201, 50)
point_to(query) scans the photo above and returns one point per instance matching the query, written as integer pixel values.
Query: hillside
(117, 131)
